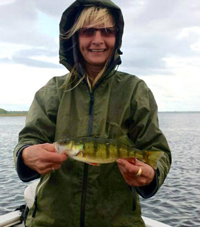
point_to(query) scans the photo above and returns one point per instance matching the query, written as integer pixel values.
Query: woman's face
(96, 44)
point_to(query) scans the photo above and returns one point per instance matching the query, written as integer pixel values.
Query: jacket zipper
(91, 114)
(85, 173)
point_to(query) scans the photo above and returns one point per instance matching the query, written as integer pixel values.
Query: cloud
(26, 57)
(168, 15)
(23, 23)
(152, 34)
(36, 52)
(18, 24)
(5, 60)
(34, 62)
(161, 45)
(152, 31)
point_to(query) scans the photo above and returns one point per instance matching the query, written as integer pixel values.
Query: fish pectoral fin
(93, 164)
(80, 153)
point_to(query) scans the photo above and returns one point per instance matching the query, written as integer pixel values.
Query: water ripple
(177, 202)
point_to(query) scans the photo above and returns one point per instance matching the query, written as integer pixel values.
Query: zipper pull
(35, 207)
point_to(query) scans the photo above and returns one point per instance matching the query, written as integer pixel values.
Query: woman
(92, 100)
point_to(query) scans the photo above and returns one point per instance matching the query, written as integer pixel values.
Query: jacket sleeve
(39, 127)
(145, 133)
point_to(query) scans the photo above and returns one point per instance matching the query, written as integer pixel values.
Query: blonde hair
(92, 16)
(89, 17)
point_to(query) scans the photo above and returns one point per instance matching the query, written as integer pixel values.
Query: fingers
(53, 157)
(135, 172)
(49, 147)
(128, 166)
(47, 168)
(131, 180)
(48, 154)
(42, 158)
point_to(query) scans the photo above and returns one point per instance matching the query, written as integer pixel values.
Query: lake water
(177, 202)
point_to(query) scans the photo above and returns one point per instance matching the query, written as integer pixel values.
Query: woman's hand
(43, 158)
(135, 172)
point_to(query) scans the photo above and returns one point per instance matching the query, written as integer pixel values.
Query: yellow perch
(102, 151)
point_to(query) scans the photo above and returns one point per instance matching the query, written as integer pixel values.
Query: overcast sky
(161, 45)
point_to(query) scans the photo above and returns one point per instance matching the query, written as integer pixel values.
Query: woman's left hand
(135, 172)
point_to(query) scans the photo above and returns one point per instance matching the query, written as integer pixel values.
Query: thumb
(49, 147)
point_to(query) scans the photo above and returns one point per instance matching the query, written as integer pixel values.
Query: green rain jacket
(79, 194)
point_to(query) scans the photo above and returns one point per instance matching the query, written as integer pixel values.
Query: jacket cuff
(151, 189)
(24, 172)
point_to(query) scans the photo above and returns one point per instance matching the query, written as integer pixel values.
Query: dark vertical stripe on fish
(95, 148)
(147, 154)
(83, 142)
(118, 150)
(107, 150)
(128, 151)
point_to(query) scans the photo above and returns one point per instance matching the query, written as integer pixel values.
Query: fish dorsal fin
(126, 140)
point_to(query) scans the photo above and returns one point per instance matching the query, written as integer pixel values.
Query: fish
(98, 151)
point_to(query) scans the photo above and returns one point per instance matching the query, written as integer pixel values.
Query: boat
(15, 218)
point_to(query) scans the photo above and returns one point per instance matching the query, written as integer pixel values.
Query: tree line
(5, 112)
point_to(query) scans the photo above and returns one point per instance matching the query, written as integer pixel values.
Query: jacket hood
(70, 15)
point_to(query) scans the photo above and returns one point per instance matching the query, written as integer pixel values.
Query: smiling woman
(96, 46)
(96, 37)
(94, 100)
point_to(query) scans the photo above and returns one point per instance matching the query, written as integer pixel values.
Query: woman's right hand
(43, 158)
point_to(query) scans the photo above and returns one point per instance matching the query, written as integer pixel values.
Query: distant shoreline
(178, 111)
(4, 113)
(13, 115)
(24, 113)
